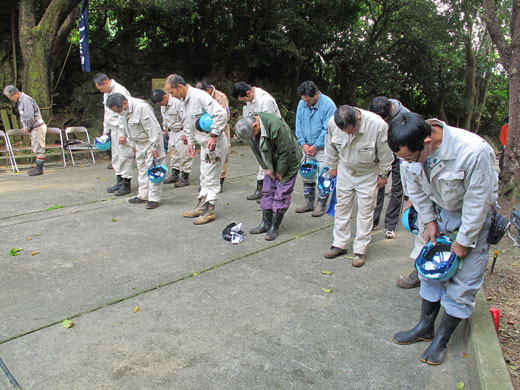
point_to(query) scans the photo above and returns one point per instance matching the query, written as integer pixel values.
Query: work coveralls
(31, 120)
(262, 102)
(456, 188)
(122, 155)
(222, 99)
(359, 159)
(143, 132)
(196, 103)
(177, 149)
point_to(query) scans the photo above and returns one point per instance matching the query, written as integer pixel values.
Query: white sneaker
(389, 234)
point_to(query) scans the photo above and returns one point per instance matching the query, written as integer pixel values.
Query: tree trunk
(511, 173)
(471, 70)
(37, 40)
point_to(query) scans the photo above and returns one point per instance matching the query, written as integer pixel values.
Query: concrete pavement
(159, 303)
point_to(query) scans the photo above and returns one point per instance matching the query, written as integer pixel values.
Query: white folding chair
(78, 144)
(7, 149)
(50, 131)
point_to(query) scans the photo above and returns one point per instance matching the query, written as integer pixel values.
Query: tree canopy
(434, 55)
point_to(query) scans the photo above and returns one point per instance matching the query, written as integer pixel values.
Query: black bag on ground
(499, 227)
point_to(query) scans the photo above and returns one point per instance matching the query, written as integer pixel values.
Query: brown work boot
(207, 216)
(411, 281)
(334, 252)
(183, 180)
(358, 260)
(197, 211)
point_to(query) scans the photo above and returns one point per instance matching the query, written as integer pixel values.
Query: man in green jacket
(278, 152)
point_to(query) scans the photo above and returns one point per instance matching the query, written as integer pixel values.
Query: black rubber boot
(267, 218)
(424, 330)
(258, 192)
(184, 180)
(222, 183)
(436, 352)
(272, 233)
(173, 178)
(37, 170)
(114, 188)
(309, 191)
(124, 188)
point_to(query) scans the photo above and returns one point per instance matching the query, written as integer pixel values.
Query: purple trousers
(276, 195)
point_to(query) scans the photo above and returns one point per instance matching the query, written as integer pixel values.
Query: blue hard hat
(409, 220)
(204, 123)
(308, 169)
(157, 173)
(326, 183)
(103, 142)
(437, 262)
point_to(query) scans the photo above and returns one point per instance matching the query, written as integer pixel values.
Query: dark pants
(276, 195)
(394, 206)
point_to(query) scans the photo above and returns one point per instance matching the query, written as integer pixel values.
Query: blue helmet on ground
(157, 173)
(437, 262)
(308, 169)
(204, 123)
(103, 142)
(326, 183)
(409, 220)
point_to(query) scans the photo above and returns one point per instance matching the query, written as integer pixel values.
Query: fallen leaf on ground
(29, 238)
(195, 273)
(36, 234)
(114, 220)
(45, 186)
(515, 264)
(460, 385)
(326, 272)
(464, 355)
(14, 251)
(297, 237)
(514, 368)
(58, 206)
(34, 253)
(348, 257)
(326, 290)
(136, 309)
(67, 324)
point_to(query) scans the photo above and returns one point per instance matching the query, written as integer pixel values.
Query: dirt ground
(502, 291)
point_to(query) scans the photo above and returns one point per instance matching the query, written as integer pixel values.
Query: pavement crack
(166, 284)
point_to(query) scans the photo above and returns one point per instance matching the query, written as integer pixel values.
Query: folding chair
(50, 131)
(79, 145)
(7, 149)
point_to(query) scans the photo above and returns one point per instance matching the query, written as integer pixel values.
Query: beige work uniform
(122, 155)
(32, 121)
(196, 103)
(359, 159)
(177, 149)
(142, 131)
(262, 102)
(222, 99)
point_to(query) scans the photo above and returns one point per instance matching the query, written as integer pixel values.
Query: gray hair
(244, 127)
(174, 80)
(100, 78)
(115, 100)
(10, 90)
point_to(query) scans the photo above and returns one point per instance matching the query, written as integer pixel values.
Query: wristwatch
(213, 135)
(383, 176)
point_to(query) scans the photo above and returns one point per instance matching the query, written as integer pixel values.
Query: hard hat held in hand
(103, 142)
(157, 173)
(437, 262)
